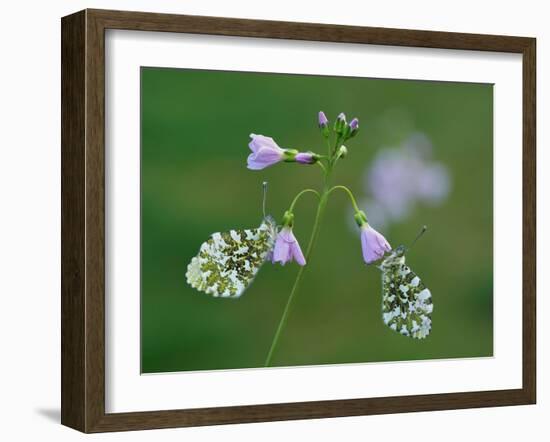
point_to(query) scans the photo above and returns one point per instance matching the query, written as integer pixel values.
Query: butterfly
(406, 302)
(227, 262)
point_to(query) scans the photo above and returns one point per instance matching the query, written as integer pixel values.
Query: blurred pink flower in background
(399, 178)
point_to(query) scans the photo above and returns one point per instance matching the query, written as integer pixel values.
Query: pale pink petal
(373, 244)
(265, 152)
(287, 248)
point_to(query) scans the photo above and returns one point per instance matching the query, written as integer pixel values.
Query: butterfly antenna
(422, 231)
(264, 196)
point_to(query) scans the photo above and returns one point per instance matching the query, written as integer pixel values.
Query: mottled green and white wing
(406, 302)
(228, 262)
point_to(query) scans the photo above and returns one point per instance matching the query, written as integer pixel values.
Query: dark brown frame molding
(83, 218)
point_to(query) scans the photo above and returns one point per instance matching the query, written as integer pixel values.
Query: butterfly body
(406, 302)
(227, 262)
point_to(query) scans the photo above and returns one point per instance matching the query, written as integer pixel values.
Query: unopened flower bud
(323, 124)
(342, 152)
(306, 157)
(323, 120)
(340, 124)
(295, 156)
(353, 127)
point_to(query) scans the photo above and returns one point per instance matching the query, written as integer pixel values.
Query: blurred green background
(195, 134)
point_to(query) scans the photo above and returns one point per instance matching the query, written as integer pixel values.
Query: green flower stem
(323, 198)
(350, 194)
(314, 233)
(297, 197)
(329, 148)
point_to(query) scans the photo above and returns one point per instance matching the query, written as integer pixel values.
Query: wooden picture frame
(83, 220)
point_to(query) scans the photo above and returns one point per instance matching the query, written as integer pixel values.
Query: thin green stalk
(297, 197)
(313, 237)
(315, 231)
(350, 194)
(322, 167)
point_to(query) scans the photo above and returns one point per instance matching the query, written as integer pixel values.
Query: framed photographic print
(269, 220)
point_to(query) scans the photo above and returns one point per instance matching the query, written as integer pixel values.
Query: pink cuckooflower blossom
(287, 248)
(374, 244)
(265, 152)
